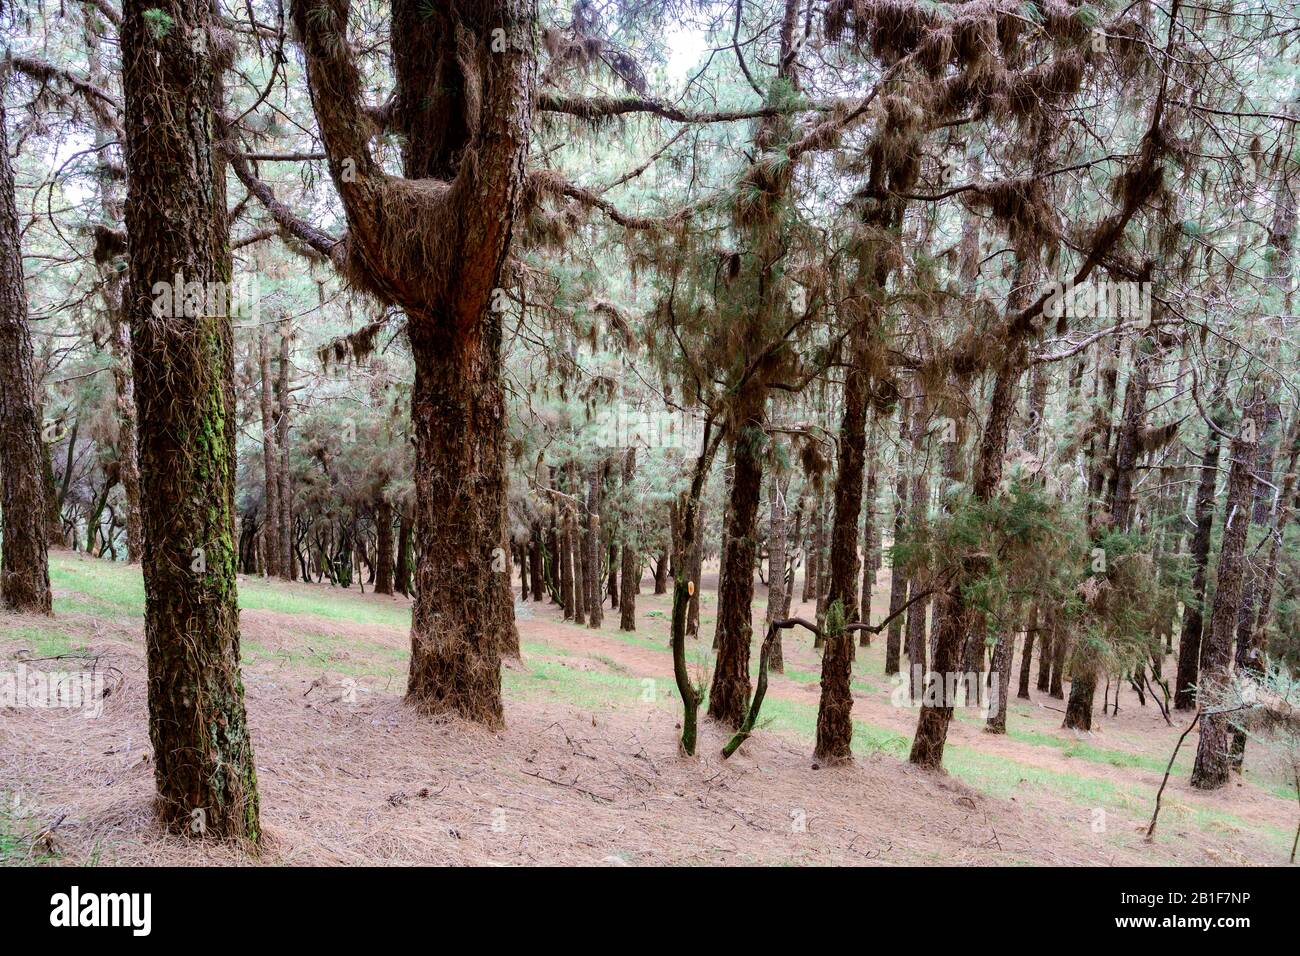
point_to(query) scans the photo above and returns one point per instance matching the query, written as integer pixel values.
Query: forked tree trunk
(184, 378)
(24, 564)
(661, 573)
(434, 242)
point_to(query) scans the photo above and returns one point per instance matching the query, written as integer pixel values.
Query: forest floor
(587, 769)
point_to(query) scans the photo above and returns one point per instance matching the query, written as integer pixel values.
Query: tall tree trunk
(1213, 761)
(1123, 469)
(288, 566)
(776, 559)
(24, 563)
(113, 276)
(462, 111)
(1189, 645)
(631, 565)
(834, 710)
(184, 376)
(869, 531)
(730, 690)
(594, 580)
(1248, 656)
(270, 458)
(898, 580)
(575, 547)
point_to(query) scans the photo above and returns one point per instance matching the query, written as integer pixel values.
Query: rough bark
(1213, 763)
(730, 690)
(834, 709)
(383, 546)
(24, 563)
(630, 562)
(434, 243)
(1189, 645)
(184, 374)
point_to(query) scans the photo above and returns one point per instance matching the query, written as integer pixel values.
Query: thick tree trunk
(184, 375)
(24, 564)
(402, 572)
(730, 691)
(463, 617)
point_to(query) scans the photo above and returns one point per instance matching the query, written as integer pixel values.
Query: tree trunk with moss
(184, 378)
(433, 242)
(24, 564)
